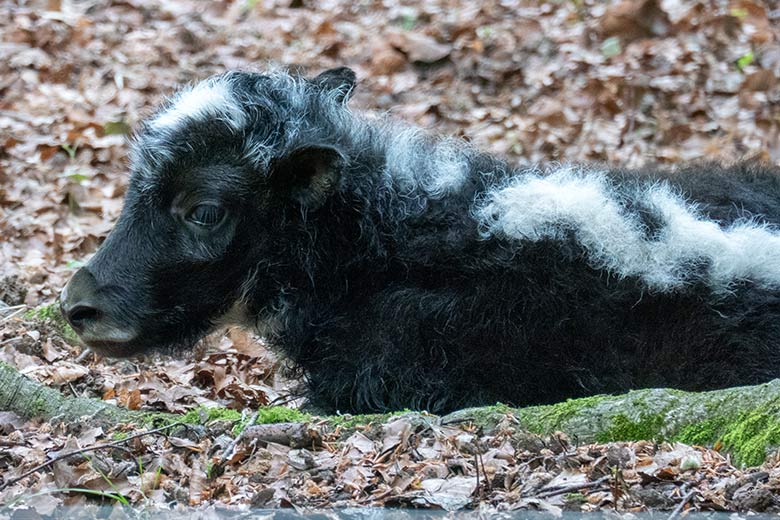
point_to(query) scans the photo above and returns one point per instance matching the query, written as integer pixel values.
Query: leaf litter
(628, 82)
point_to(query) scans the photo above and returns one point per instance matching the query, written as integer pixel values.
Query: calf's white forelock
(584, 204)
(209, 98)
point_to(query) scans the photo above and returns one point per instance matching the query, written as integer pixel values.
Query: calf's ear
(341, 79)
(309, 174)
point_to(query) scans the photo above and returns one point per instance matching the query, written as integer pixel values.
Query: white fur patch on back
(585, 204)
(450, 169)
(210, 98)
(415, 160)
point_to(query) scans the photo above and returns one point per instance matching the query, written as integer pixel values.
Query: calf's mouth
(93, 319)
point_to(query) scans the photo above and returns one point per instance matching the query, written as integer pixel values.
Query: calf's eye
(206, 215)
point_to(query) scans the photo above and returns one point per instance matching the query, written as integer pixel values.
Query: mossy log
(30, 399)
(744, 421)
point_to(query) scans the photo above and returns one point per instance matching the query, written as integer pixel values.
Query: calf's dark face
(202, 216)
(173, 265)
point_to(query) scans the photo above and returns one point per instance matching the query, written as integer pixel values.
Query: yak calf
(399, 270)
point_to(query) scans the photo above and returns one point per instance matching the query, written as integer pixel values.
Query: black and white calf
(396, 269)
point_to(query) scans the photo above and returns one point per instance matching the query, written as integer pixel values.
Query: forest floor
(630, 83)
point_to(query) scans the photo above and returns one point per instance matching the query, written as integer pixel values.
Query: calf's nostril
(80, 315)
(77, 298)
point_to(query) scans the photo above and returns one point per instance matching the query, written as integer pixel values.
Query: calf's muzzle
(86, 307)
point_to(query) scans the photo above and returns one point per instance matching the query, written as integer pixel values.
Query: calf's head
(219, 175)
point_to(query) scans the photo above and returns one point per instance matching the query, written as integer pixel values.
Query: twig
(677, 510)
(488, 483)
(6, 443)
(615, 486)
(384, 454)
(572, 487)
(476, 467)
(116, 444)
(228, 452)
(83, 355)
(14, 311)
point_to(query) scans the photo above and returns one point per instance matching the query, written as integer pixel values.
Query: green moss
(280, 414)
(550, 418)
(747, 436)
(484, 417)
(750, 435)
(153, 420)
(349, 422)
(51, 313)
(38, 408)
(622, 428)
(203, 415)
(222, 414)
(119, 436)
(272, 415)
(194, 416)
(702, 433)
(489, 416)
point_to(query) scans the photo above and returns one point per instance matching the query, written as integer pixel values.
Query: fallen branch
(295, 435)
(571, 488)
(677, 510)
